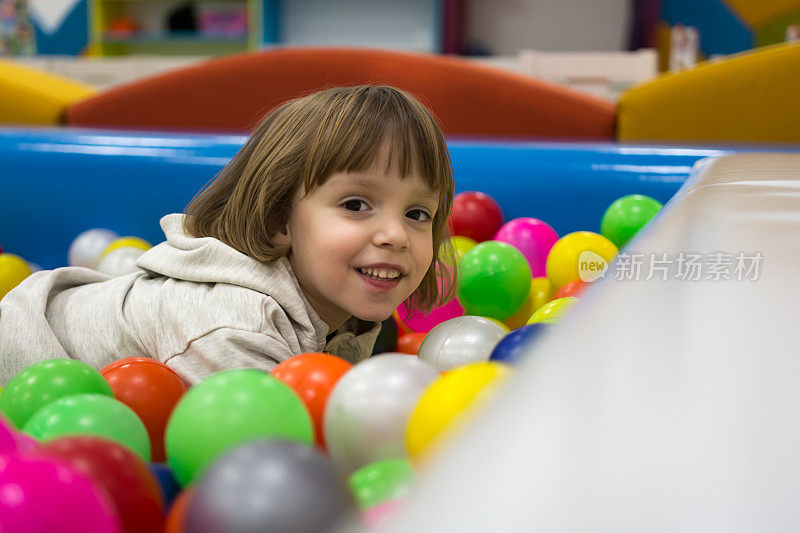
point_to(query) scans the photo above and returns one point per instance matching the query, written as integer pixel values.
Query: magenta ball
(8, 441)
(533, 238)
(425, 322)
(40, 494)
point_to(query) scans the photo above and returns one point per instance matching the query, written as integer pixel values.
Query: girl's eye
(419, 215)
(355, 205)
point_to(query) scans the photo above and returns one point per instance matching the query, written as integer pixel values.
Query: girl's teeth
(380, 273)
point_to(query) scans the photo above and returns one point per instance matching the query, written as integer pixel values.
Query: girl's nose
(391, 233)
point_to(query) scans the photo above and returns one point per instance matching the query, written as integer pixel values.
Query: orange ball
(176, 518)
(410, 342)
(312, 376)
(573, 288)
(402, 329)
(151, 389)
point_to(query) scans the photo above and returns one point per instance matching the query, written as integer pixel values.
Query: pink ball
(8, 441)
(425, 322)
(38, 494)
(378, 516)
(533, 238)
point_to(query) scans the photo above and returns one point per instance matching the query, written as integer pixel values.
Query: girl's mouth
(380, 278)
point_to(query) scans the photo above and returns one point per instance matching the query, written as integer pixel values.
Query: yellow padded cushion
(29, 96)
(751, 97)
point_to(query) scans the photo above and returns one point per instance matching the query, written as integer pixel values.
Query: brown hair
(305, 141)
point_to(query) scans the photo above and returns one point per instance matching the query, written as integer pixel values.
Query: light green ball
(227, 409)
(626, 216)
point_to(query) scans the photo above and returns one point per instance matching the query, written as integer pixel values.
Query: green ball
(47, 381)
(91, 414)
(382, 481)
(626, 216)
(227, 409)
(493, 280)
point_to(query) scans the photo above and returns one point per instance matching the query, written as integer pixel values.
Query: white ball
(460, 340)
(368, 410)
(120, 261)
(85, 250)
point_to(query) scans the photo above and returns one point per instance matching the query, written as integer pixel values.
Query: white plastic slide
(668, 400)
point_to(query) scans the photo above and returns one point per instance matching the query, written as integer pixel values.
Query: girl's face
(362, 242)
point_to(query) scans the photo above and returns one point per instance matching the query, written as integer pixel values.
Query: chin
(377, 315)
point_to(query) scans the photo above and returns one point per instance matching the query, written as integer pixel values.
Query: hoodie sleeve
(227, 348)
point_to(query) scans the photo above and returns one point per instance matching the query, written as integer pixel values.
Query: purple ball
(39, 494)
(533, 238)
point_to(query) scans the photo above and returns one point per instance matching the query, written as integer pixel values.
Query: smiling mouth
(380, 274)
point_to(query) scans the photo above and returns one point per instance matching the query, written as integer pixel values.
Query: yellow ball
(447, 402)
(13, 269)
(126, 242)
(540, 293)
(551, 312)
(461, 245)
(581, 255)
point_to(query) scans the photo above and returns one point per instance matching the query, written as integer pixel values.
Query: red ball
(475, 215)
(151, 389)
(312, 376)
(573, 288)
(410, 342)
(119, 471)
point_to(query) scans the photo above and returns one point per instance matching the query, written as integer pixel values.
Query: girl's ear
(279, 232)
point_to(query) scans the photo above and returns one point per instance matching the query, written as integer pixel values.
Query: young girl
(329, 217)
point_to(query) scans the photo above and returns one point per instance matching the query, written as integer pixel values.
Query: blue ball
(166, 482)
(513, 347)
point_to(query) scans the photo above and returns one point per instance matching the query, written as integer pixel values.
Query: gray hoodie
(197, 305)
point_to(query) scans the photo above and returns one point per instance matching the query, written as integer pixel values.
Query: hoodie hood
(209, 260)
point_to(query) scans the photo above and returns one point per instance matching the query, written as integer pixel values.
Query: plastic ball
(411, 342)
(87, 247)
(151, 389)
(167, 484)
(313, 376)
(269, 486)
(513, 348)
(459, 341)
(573, 288)
(382, 481)
(366, 416)
(533, 238)
(493, 280)
(124, 476)
(475, 215)
(376, 518)
(8, 442)
(44, 494)
(126, 242)
(501, 324)
(47, 381)
(448, 402)
(551, 312)
(420, 321)
(580, 255)
(227, 409)
(387, 337)
(540, 293)
(13, 270)
(119, 262)
(90, 414)
(461, 245)
(626, 216)
(176, 516)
